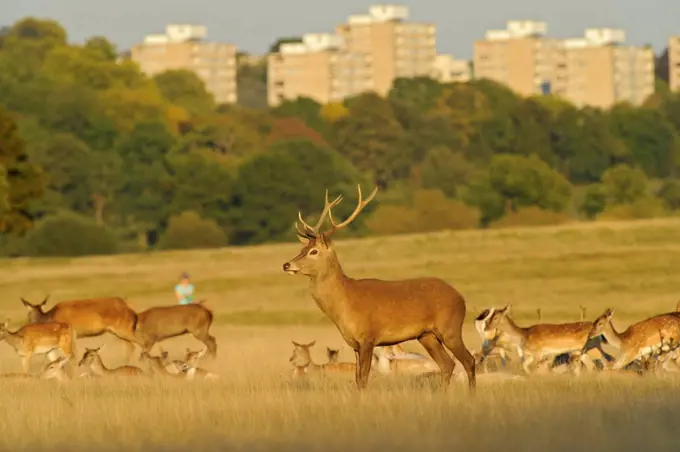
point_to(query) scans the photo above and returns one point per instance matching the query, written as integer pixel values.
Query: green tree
(100, 48)
(68, 164)
(594, 201)
(624, 184)
(184, 88)
(445, 170)
(23, 177)
(189, 231)
(669, 193)
(373, 140)
(68, 234)
(4, 191)
(291, 176)
(652, 140)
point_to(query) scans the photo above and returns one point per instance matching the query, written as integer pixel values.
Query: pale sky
(254, 24)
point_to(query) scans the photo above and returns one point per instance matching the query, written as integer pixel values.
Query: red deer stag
(371, 312)
(164, 322)
(90, 317)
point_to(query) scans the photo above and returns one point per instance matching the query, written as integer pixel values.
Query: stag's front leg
(26, 362)
(364, 364)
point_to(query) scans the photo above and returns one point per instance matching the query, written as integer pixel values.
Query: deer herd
(54, 333)
(373, 316)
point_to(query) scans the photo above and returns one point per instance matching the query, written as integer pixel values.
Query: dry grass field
(631, 267)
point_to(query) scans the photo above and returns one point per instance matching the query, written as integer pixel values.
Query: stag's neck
(613, 337)
(328, 289)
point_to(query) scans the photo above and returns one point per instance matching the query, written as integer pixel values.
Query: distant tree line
(96, 157)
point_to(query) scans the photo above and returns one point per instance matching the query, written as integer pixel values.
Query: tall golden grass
(629, 266)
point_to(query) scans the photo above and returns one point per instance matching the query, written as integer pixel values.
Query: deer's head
(35, 311)
(317, 252)
(495, 322)
(601, 323)
(90, 356)
(333, 355)
(301, 356)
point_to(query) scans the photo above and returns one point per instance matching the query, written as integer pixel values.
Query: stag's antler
(309, 232)
(360, 206)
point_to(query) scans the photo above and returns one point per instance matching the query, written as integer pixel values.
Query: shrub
(429, 211)
(189, 231)
(530, 216)
(669, 193)
(643, 208)
(68, 234)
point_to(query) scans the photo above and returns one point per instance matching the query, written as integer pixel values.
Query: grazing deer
(191, 371)
(93, 361)
(371, 312)
(90, 317)
(543, 341)
(40, 339)
(164, 322)
(639, 339)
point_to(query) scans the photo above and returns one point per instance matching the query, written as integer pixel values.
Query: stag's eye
(313, 252)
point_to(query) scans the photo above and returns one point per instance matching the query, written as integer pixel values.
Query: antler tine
(314, 230)
(360, 206)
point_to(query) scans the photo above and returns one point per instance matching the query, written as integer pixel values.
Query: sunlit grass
(630, 266)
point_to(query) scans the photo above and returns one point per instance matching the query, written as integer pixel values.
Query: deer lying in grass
(93, 361)
(371, 312)
(397, 352)
(90, 317)
(191, 371)
(639, 339)
(158, 365)
(40, 339)
(164, 322)
(301, 359)
(387, 363)
(53, 370)
(545, 341)
(333, 356)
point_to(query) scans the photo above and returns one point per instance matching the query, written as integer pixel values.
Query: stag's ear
(296, 344)
(311, 344)
(303, 240)
(505, 310)
(44, 302)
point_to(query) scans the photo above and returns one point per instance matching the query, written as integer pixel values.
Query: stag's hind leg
(454, 342)
(436, 350)
(208, 340)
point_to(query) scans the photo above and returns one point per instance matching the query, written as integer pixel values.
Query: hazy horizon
(256, 25)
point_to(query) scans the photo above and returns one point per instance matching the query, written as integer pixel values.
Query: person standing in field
(184, 291)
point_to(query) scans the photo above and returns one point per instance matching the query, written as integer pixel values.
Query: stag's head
(317, 252)
(35, 311)
(301, 356)
(601, 323)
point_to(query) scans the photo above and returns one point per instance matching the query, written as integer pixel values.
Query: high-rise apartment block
(318, 67)
(674, 63)
(184, 47)
(365, 54)
(596, 70)
(398, 48)
(447, 69)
